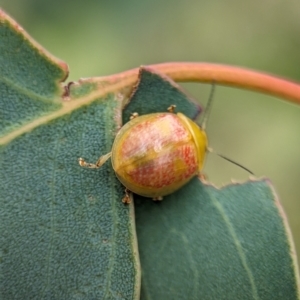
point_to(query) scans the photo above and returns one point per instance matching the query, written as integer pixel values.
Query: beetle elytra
(154, 155)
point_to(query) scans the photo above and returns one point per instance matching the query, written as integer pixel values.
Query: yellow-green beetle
(154, 155)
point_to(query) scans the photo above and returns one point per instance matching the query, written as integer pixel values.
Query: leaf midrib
(237, 244)
(67, 107)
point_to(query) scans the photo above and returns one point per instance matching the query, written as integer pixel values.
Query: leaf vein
(30, 94)
(238, 246)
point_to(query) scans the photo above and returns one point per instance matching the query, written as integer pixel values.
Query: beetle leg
(98, 164)
(158, 198)
(127, 198)
(202, 177)
(134, 115)
(171, 108)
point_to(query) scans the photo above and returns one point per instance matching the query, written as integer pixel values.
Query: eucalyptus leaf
(155, 92)
(29, 77)
(207, 243)
(65, 234)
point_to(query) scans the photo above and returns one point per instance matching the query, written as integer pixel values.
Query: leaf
(206, 243)
(28, 80)
(155, 92)
(64, 231)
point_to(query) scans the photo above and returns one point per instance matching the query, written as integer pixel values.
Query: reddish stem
(220, 74)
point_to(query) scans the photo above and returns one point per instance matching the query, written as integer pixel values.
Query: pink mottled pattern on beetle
(152, 166)
(153, 134)
(163, 170)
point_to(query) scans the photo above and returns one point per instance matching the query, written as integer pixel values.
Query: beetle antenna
(203, 126)
(230, 160)
(208, 106)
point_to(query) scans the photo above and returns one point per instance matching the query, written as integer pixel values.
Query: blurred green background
(104, 37)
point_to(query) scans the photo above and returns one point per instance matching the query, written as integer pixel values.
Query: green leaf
(65, 234)
(206, 243)
(155, 93)
(29, 78)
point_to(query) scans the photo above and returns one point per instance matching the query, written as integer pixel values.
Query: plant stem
(220, 74)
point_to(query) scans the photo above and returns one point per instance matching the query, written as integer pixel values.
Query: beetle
(156, 154)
